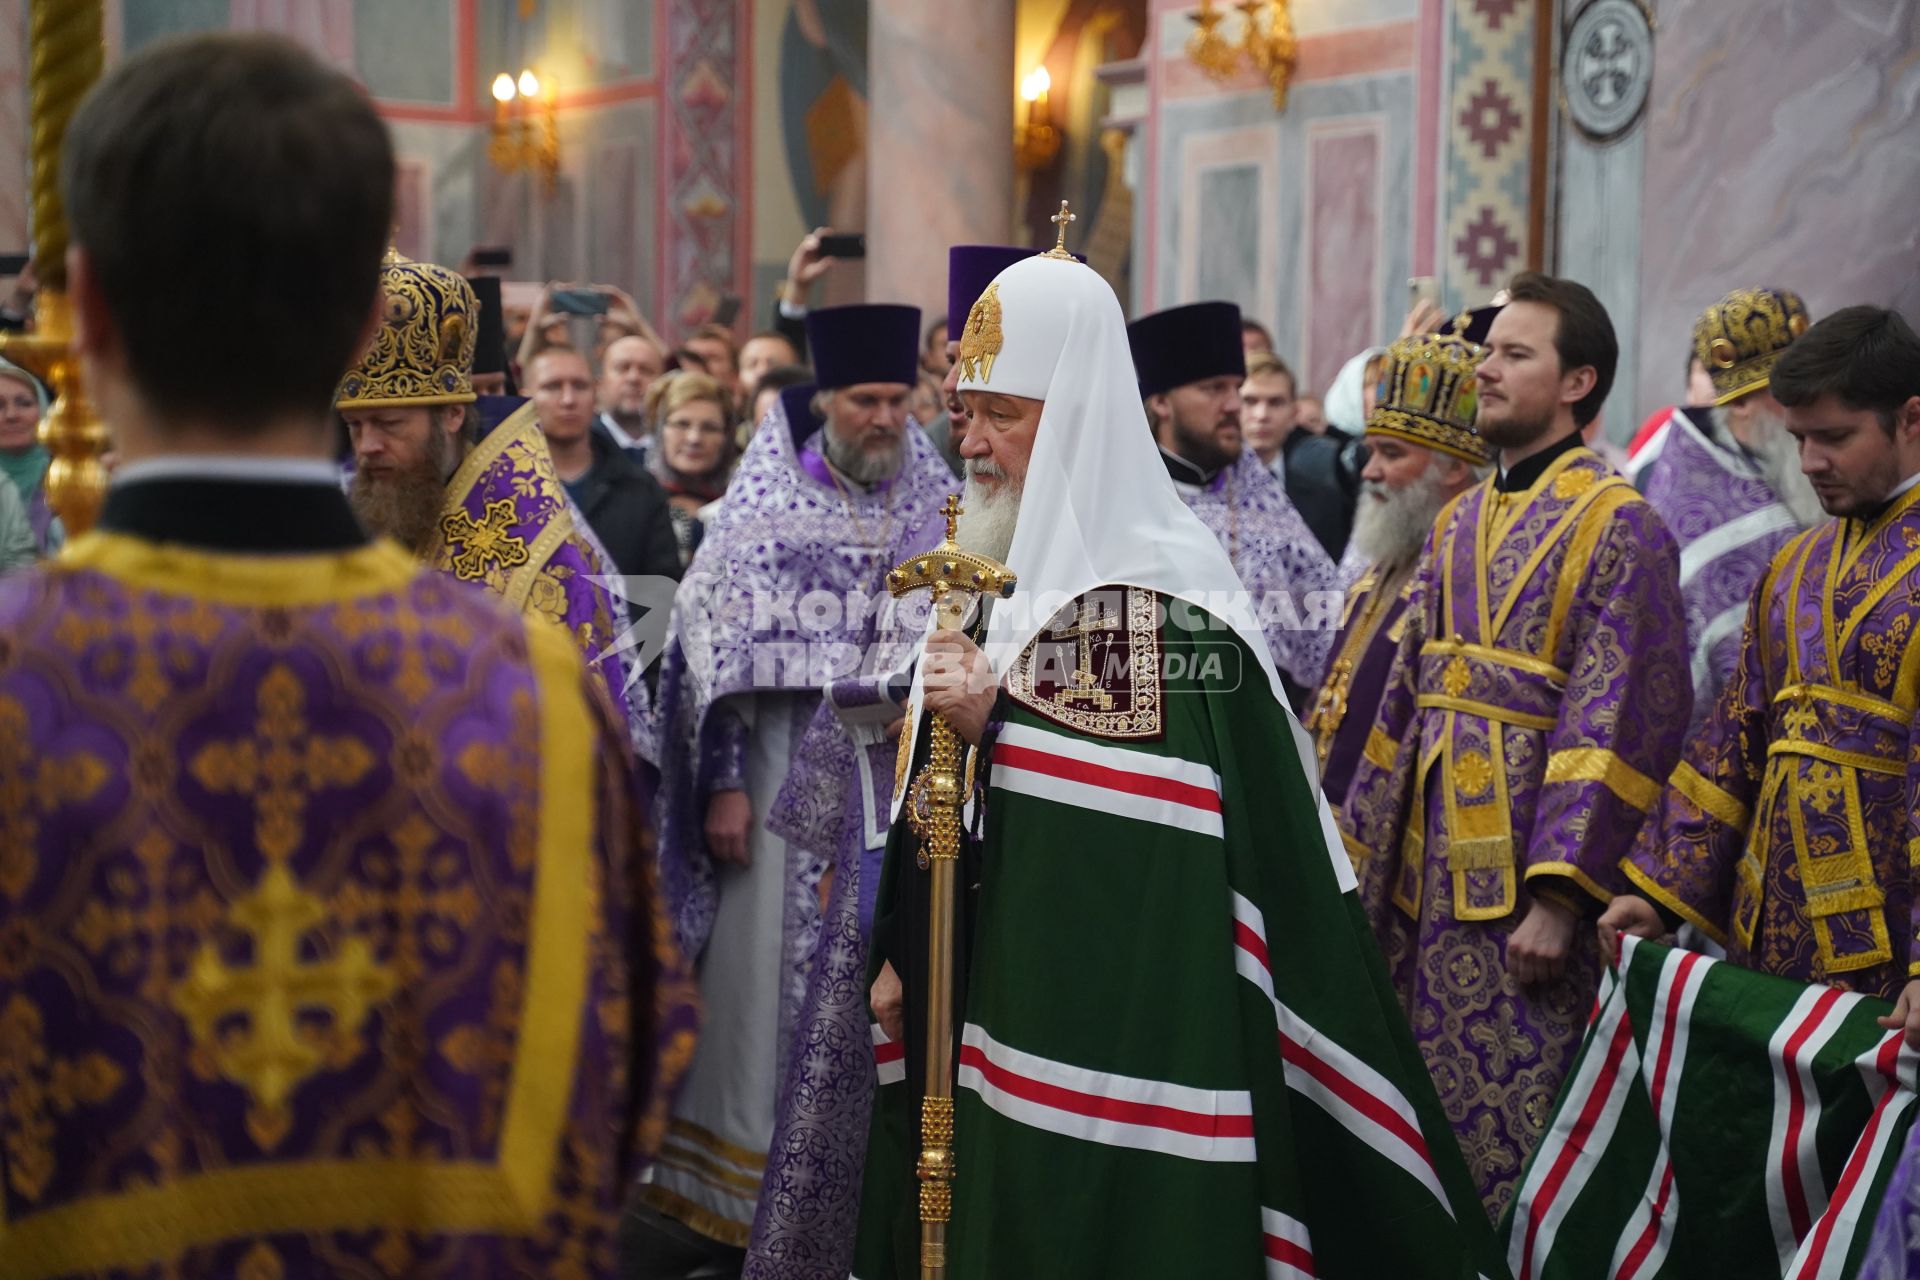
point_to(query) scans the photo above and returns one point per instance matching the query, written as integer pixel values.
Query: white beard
(1392, 524)
(987, 516)
(1779, 458)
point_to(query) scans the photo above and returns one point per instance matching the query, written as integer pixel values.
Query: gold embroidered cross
(275, 1051)
(474, 544)
(281, 764)
(1085, 686)
(33, 782)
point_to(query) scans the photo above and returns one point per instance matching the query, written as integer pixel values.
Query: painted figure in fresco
(1537, 699)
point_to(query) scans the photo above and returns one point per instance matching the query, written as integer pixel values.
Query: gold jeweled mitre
(422, 354)
(1739, 337)
(1428, 395)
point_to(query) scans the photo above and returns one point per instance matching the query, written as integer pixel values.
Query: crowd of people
(372, 903)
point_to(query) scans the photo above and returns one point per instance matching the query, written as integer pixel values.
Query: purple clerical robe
(508, 526)
(325, 942)
(784, 600)
(1371, 629)
(1539, 693)
(1728, 522)
(1786, 831)
(1293, 583)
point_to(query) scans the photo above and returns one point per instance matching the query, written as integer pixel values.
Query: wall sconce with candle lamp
(1270, 47)
(526, 137)
(1035, 141)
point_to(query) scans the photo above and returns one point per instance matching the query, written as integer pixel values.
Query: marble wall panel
(1343, 292)
(1279, 254)
(13, 127)
(1782, 148)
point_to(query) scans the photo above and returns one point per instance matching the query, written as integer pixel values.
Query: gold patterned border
(260, 581)
(509, 1194)
(1144, 716)
(1709, 798)
(1597, 764)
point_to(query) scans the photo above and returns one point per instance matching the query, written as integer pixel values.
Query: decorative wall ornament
(1606, 68)
(1270, 47)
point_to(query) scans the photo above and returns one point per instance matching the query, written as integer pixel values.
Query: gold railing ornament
(933, 809)
(65, 53)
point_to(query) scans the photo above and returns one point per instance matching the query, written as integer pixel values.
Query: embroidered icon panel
(1096, 668)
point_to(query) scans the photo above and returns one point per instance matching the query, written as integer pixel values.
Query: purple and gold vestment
(1786, 832)
(1539, 693)
(507, 526)
(326, 945)
(784, 599)
(1341, 714)
(1291, 579)
(1729, 523)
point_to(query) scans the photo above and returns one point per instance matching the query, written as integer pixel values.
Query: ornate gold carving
(981, 340)
(490, 541)
(277, 1050)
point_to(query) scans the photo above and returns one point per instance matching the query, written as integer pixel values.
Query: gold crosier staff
(933, 806)
(63, 37)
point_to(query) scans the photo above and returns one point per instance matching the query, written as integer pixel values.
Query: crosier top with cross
(950, 573)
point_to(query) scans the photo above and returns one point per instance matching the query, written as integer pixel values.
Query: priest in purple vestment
(1726, 478)
(781, 601)
(489, 508)
(326, 945)
(1539, 695)
(1191, 363)
(839, 810)
(1787, 831)
(1423, 452)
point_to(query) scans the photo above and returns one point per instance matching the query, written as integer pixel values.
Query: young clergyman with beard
(329, 946)
(1424, 453)
(1539, 695)
(1191, 365)
(1785, 832)
(1164, 922)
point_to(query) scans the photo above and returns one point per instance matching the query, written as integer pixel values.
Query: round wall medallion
(1606, 68)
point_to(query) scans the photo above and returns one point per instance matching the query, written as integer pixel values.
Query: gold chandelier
(1270, 46)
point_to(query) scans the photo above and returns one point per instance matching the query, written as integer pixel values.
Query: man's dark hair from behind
(1866, 357)
(1583, 336)
(233, 196)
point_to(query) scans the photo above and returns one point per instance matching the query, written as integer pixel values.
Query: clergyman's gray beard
(860, 466)
(1779, 457)
(988, 516)
(1392, 524)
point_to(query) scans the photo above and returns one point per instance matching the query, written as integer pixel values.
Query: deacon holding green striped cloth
(1177, 1051)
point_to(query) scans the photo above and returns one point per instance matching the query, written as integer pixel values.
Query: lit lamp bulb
(529, 85)
(503, 88)
(1034, 88)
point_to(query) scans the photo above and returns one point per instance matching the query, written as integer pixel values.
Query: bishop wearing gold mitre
(326, 943)
(485, 507)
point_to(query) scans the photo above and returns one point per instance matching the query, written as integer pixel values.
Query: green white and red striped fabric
(1179, 1055)
(1718, 1122)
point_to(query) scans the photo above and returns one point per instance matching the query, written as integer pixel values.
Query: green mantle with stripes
(1179, 1055)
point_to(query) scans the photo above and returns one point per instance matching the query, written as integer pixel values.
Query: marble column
(939, 141)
